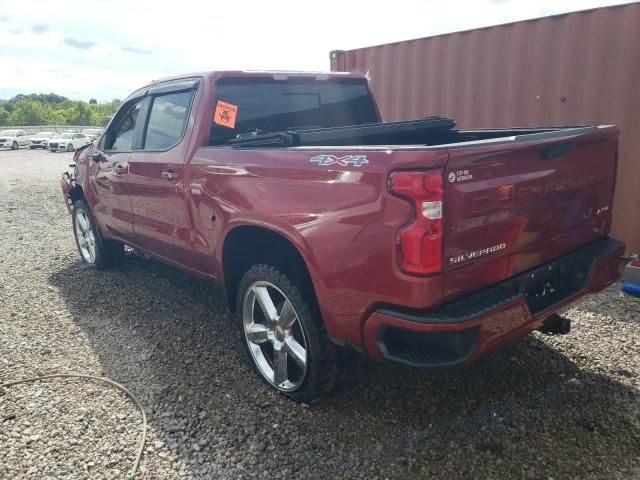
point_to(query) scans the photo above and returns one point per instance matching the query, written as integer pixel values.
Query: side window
(167, 120)
(121, 135)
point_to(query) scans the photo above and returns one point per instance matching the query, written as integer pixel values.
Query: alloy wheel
(85, 236)
(275, 336)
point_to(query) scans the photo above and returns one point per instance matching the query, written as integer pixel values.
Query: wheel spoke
(82, 240)
(266, 303)
(279, 366)
(297, 351)
(84, 224)
(287, 315)
(257, 333)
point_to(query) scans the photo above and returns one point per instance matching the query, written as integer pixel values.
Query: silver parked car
(41, 139)
(13, 139)
(92, 133)
(68, 142)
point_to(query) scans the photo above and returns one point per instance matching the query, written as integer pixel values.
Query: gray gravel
(551, 407)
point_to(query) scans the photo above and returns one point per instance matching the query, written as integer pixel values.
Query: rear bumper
(469, 328)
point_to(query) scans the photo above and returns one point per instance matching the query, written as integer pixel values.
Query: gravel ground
(564, 407)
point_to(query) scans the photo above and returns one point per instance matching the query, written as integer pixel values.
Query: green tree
(4, 117)
(28, 112)
(56, 117)
(51, 109)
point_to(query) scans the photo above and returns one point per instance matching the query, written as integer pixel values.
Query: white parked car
(68, 142)
(40, 139)
(13, 139)
(92, 133)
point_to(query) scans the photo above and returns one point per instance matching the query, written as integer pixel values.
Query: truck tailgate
(513, 204)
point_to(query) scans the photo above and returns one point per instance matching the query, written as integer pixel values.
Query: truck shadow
(527, 412)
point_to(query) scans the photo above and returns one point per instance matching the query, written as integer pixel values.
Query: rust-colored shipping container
(572, 69)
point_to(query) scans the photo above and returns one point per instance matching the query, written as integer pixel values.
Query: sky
(105, 50)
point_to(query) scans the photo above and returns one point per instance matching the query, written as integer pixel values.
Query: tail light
(420, 241)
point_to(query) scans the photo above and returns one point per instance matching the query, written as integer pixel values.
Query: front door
(112, 209)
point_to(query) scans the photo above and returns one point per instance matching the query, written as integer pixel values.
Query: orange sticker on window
(225, 114)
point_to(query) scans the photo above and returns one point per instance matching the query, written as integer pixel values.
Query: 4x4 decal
(355, 160)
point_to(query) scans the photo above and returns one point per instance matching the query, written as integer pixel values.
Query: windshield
(44, 134)
(66, 135)
(269, 105)
(8, 133)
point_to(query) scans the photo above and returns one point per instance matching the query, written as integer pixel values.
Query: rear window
(269, 105)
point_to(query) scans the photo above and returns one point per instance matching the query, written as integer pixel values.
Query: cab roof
(276, 74)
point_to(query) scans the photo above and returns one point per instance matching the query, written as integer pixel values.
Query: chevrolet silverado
(414, 242)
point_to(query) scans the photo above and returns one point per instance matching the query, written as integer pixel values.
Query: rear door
(157, 174)
(516, 203)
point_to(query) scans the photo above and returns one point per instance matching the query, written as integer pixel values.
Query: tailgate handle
(556, 151)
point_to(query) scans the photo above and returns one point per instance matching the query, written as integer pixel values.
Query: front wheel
(286, 343)
(70, 148)
(14, 146)
(94, 249)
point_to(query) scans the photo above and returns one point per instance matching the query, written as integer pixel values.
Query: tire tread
(108, 252)
(322, 371)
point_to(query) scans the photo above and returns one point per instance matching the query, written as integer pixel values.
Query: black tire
(321, 365)
(70, 148)
(15, 145)
(106, 252)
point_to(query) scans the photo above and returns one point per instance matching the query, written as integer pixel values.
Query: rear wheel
(285, 343)
(94, 249)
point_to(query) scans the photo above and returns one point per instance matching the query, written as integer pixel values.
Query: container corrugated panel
(580, 68)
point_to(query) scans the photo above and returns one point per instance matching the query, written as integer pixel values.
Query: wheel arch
(247, 245)
(76, 193)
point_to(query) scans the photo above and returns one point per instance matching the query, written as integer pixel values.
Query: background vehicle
(13, 139)
(92, 133)
(41, 139)
(68, 142)
(414, 242)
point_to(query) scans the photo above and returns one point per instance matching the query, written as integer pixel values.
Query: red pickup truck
(414, 242)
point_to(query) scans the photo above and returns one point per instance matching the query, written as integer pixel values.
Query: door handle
(120, 169)
(170, 175)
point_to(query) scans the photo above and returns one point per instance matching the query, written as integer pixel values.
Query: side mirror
(96, 156)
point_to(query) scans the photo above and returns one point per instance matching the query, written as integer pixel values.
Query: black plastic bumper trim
(427, 349)
(571, 274)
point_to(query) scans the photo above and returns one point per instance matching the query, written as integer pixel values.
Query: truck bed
(428, 131)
